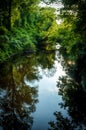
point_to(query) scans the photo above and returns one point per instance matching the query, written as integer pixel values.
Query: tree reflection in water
(74, 101)
(17, 100)
(46, 62)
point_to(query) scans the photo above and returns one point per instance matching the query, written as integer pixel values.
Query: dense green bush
(17, 41)
(35, 27)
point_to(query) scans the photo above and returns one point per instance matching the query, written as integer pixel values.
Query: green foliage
(17, 41)
(72, 37)
(3, 30)
(72, 34)
(23, 39)
(46, 27)
(29, 25)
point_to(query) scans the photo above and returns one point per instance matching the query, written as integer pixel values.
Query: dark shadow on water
(17, 99)
(74, 102)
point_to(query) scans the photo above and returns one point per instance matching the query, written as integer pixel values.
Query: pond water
(34, 88)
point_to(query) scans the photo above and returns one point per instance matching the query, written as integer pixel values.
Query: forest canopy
(25, 25)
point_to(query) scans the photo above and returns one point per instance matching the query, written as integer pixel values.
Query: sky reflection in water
(29, 93)
(48, 97)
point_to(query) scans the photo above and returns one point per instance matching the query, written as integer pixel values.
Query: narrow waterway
(35, 90)
(48, 95)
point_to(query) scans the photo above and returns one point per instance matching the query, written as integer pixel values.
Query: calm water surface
(48, 96)
(31, 91)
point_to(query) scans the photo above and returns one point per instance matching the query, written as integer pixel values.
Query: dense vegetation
(18, 77)
(27, 26)
(71, 34)
(24, 25)
(72, 37)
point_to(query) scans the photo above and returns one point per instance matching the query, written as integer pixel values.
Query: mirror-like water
(48, 96)
(31, 91)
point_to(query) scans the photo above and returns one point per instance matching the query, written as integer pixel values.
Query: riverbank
(21, 39)
(15, 42)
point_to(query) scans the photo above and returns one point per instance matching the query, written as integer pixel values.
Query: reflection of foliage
(49, 72)
(17, 99)
(62, 123)
(74, 97)
(14, 112)
(46, 61)
(10, 118)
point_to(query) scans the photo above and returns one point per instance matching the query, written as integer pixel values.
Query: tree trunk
(5, 13)
(9, 14)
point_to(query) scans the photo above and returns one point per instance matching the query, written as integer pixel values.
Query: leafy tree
(45, 22)
(9, 9)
